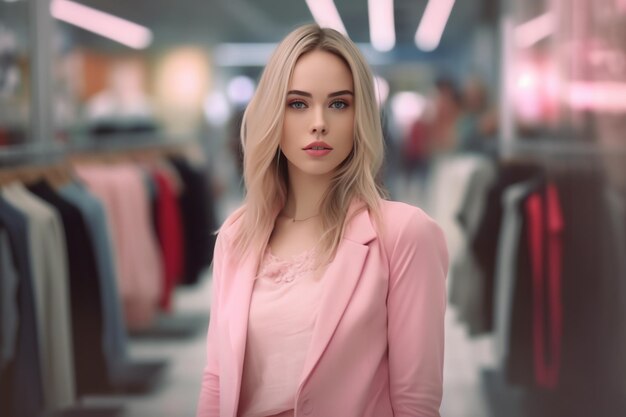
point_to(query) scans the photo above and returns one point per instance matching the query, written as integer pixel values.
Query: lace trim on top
(286, 270)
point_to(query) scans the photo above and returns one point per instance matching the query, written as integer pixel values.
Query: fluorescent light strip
(326, 15)
(531, 32)
(382, 26)
(433, 23)
(104, 24)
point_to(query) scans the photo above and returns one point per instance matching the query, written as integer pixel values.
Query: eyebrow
(335, 94)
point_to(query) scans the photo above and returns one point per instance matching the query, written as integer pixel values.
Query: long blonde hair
(265, 167)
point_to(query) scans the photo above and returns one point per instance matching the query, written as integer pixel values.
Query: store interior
(504, 120)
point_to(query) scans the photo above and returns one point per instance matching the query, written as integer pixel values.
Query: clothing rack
(45, 154)
(117, 142)
(134, 376)
(549, 147)
(35, 154)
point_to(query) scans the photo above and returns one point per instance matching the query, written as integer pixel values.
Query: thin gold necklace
(293, 219)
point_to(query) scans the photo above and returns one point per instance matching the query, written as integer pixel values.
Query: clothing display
(51, 284)
(8, 300)
(114, 331)
(169, 232)
(199, 220)
(549, 258)
(122, 190)
(21, 382)
(80, 265)
(84, 290)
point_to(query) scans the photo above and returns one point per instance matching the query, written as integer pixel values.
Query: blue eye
(339, 105)
(297, 105)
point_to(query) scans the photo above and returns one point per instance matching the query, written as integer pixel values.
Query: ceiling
(209, 22)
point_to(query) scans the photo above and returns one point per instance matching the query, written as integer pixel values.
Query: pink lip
(318, 152)
(318, 144)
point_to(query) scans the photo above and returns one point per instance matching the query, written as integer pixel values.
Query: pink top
(282, 315)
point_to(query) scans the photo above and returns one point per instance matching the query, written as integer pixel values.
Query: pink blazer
(378, 343)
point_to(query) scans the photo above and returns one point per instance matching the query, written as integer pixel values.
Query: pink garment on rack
(123, 192)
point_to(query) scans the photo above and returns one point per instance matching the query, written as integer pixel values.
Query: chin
(317, 170)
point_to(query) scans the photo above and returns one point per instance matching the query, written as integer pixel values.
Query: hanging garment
(616, 248)
(21, 382)
(169, 232)
(485, 242)
(466, 277)
(591, 297)
(518, 361)
(50, 271)
(9, 281)
(198, 217)
(123, 192)
(86, 305)
(506, 272)
(545, 223)
(115, 339)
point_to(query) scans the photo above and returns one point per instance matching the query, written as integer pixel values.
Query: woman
(327, 299)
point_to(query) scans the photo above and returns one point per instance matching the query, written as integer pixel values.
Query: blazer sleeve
(416, 306)
(209, 403)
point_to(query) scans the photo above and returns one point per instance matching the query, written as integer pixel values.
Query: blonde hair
(265, 167)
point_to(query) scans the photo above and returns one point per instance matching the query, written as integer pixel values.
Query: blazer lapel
(238, 311)
(340, 280)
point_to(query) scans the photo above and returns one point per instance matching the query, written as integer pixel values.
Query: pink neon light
(104, 24)
(600, 95)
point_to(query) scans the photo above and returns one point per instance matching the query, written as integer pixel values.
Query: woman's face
(318, 128)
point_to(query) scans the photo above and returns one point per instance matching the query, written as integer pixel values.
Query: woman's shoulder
(398, 213)
(232, 223)
(405, 223)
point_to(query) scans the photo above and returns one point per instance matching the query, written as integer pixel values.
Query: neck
(305, 194)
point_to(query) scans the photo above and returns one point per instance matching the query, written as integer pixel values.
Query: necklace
(293, 219)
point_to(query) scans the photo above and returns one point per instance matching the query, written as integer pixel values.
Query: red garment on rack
(545, 223)
(170, 232)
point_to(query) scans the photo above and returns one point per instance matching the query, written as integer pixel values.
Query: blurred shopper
(434, 133)
(416, 151)
(447, 111)
(327, 299)
(478, 122)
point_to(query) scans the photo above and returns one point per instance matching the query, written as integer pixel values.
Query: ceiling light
(101, 23)
(326, 15)
(408, 106)
(433, 23)
(240, 89)
(216, 108)
(531, 32)
(599, 96)
(382, 27)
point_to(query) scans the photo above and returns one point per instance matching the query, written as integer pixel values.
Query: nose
(319, 124)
